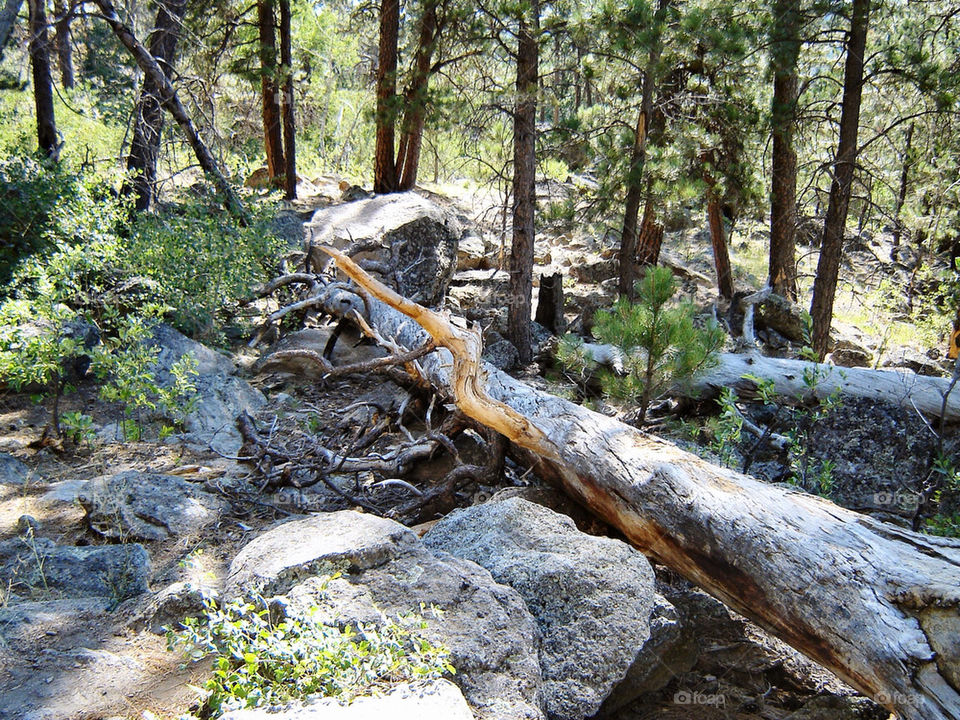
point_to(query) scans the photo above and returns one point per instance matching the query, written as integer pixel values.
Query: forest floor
(75, 663)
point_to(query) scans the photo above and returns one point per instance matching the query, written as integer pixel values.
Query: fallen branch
(876, 604)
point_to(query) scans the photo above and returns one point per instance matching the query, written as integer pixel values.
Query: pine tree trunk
(148, 116)
(904, 180)
(785, 53)
(384, 162)
(415, 109)
(638, 156)
(8, 18)
(721, 255)
(524, 186)
(42, 82)
(169, 100)
(289, 126)
(64, 42)
(270, 108)
(651, 235)
(831, 247)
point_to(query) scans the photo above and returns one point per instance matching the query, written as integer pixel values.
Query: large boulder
(386, 570)
(222, 395)
(413, 238)
(135, 505)
(40, 567)
(592, 597)
(420, 701)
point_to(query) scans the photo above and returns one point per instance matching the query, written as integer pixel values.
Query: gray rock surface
(169, 607)
(438, 699)
(417, 238)
(135, 505)
(386, 569)
(38, 566)
(592, 597)
(13, 471)
(24, 621)
(222, 395)
(472, 253)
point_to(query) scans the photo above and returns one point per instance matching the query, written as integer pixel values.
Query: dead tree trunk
(170, 100)
(896, 387)
(148, 115)
(875, 604)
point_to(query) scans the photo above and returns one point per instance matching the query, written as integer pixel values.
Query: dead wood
(875, 604)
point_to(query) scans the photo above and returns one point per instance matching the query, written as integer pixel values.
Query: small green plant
(258, 661)
(77, 426)
(943, 525)
(727, 429)
(658, 342)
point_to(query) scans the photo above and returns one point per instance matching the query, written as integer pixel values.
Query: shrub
(257, 661)
(659, 345)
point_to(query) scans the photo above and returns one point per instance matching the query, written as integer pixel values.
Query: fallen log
(798, 378)
(875, 604)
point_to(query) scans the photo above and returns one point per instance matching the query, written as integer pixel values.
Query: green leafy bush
(258, 661)
(659, 345)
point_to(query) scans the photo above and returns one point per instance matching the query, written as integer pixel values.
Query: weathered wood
(875, 604)
(898, 387)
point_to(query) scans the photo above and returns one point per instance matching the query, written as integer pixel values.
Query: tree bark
(64, 42)
(875, 604)
(384, 162)
(170, 101)
(785, 53)
(902, 388)
(524, 185)
(718, 235)
(415, 100)
(904, 183)
(8, 18)
(831, 247)
(651, 236)
(638, 157)
(289, 125)
(42, 82)
(148, 115)
(270, 107)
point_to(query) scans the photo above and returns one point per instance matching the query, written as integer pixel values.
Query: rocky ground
(104, 543)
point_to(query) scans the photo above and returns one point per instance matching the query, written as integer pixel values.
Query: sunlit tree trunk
(272, 137)
(638, 156)
(831, 247)
(148, 116)
(785, 53)
(415, 107)
(289, 126)
(384, 162)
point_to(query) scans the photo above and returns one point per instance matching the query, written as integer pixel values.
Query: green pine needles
(654, 344)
